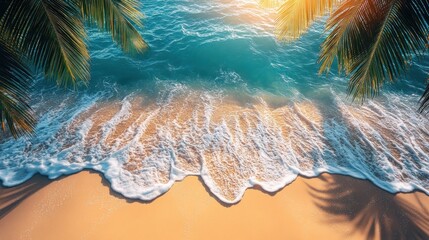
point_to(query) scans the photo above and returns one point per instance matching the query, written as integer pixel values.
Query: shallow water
(217, 96)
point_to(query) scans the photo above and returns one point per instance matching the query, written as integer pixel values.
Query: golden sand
(82, 206)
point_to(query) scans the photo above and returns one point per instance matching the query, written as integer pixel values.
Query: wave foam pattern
(143, 147)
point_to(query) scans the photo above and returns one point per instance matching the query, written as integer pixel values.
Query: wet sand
(82, 206)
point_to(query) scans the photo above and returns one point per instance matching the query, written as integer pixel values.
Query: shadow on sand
(11, 197)
(372, 211)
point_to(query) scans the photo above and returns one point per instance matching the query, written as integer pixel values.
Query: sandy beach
(82, 206)
(214, 120)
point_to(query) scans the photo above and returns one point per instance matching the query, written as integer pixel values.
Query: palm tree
(372, 40)
(50, 36)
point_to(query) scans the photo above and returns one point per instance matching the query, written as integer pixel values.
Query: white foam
(235, 147)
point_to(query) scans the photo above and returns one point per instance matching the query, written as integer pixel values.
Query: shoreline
(107, 183)
(224, 141)
(330, 205)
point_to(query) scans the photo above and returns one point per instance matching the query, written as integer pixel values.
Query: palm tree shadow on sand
(372, 211)
(11, 197)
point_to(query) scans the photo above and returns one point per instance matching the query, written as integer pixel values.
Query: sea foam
(142, 147)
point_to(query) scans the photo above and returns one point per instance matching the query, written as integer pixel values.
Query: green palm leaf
(117, 17)
(15, 81)
(295, 16)
(344, 29)
(400, 34)
(374, 40)
(51, 34)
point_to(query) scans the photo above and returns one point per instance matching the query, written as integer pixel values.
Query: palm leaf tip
(52, 35)
(16, 116)
(374, 40)
(295, 16)
(341, 41)
(118, 17)
(424, 101)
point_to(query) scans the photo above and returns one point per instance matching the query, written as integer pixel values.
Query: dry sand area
(82, 206)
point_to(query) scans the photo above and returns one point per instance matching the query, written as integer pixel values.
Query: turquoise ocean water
(217, 96)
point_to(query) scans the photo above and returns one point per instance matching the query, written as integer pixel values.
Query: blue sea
(216, 95)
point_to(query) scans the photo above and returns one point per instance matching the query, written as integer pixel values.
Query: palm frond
(119, 18)
(4, 4)
(51, 34)
(295, 16)
(344, 29)
(15, 82)
(424, 101)
(389, 32)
